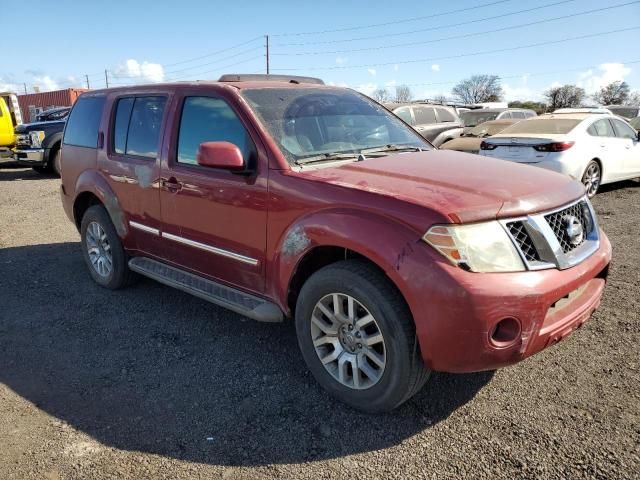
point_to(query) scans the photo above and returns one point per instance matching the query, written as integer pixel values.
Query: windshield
(487, 129)
(308, 122)
(635, 123)
(627, 112)
(556, 126)
(476, 117)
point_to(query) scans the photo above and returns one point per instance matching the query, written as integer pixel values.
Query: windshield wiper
(391, 148)
(327, 157)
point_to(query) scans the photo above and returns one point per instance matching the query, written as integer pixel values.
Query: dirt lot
(149, 382)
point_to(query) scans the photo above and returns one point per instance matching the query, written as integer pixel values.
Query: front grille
(522, 238)
(559, 221)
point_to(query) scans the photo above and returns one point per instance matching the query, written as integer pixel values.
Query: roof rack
(253, 77)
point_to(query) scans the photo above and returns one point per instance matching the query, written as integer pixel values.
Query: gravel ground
(149, 382)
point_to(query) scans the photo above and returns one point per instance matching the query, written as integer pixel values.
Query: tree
(440, 99)
(403, 94)
(479, 89)
(616, 93)
(633, 100)
(564, 97)
(381, 95)
(538, 107)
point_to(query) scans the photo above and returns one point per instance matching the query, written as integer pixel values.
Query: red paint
(220, 155)
(378, 208)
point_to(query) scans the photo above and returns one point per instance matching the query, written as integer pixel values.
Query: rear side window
(601, 128)
(424, 115)
(445, 115)
(405, 114)
(83, 123)
(137, 126)
(207, 119)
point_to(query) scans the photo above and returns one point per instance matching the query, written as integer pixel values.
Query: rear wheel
(358, 337)
(591, 178)
(102, 249)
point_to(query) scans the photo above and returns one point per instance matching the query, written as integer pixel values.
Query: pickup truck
(282, 198)
(37, 145)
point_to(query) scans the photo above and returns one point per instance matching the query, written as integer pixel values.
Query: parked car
(625, 111)
(635, 123)
(595, 148)
(470, 141)
(57, 113)
(436, 123)
(279, 197)
(37, 145)
(473, 118)
(9, 118)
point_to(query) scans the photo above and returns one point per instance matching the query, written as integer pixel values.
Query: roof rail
(258, 77)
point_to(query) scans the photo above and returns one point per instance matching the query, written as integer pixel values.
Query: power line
(466, 35)
(215, 53)
(394, 22)
(508, 77)
(485, 52)
(429, 29)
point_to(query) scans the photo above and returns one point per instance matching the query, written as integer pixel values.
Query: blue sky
(145, 41)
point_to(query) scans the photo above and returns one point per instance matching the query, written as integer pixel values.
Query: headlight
(36, 136)
(479, 247)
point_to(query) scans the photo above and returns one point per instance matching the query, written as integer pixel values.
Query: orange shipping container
(46, 100)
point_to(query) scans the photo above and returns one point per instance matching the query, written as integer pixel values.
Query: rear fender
(93, 182)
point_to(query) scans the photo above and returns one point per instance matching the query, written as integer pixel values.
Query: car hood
(463, 144)
(463, 187)
(29, 127)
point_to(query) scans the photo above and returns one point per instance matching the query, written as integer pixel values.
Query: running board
(245, 304)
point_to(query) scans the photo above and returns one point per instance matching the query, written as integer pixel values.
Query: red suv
(280, 197)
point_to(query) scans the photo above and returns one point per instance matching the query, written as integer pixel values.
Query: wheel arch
(92, 187)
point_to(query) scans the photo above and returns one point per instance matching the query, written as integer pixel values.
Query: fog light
(505, 332)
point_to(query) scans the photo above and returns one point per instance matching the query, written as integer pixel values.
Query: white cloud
(145, 71)
(435, 67)
(390, 84)
(341, 60)
(367, 88)
(606, 73)
(372, 71)
(396, 67)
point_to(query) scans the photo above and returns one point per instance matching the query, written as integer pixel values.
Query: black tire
(120, 275)
(55, 161)
(404, 373)
(592, 178)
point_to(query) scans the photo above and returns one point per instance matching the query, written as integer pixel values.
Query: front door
(214, 221)
(628, 137)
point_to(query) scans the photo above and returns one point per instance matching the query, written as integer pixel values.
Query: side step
(235, 300)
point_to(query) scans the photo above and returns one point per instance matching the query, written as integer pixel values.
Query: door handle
(171, 184)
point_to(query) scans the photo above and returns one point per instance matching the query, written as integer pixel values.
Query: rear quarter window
(83, 123)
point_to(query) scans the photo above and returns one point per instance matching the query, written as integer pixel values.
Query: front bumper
(30, 157)
(455, 321)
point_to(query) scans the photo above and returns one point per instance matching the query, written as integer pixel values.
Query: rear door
(425, 118)
(604, 145)
(132, 164)
(214, 220)
(628, 138)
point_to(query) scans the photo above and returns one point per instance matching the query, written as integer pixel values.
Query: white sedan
(596, 148)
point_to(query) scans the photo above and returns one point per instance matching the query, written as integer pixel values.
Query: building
(33, 103)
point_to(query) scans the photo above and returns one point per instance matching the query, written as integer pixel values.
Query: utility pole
(267, 45)
(88, 86)
(106, 78)
(25, 88)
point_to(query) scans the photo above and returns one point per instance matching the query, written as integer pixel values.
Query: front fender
(387, 243)
(91, 181)
(51, 140)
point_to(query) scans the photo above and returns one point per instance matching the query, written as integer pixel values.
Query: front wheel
(591, 178)
(358, 338)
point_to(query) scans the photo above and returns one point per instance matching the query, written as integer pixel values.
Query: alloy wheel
(348, 341)
(591, 179)
(99, 249)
